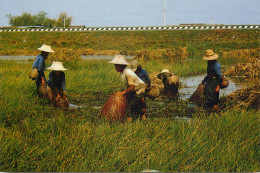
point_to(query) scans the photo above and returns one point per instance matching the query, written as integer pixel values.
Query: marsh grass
(36, 137)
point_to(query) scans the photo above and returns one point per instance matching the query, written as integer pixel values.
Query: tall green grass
(36, 137)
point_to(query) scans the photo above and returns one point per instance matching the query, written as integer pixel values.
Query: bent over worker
(135, 88)
(212, 80)
(140, 72)
(39, 63)
(56, 82)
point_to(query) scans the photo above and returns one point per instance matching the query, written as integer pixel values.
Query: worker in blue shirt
(212, 80)
(141, 73)
(39, 63)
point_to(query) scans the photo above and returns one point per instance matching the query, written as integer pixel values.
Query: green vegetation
(41, 19)
(36, 137)
(130, 42)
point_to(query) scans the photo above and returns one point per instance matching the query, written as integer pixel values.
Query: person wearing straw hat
(56, 83)
(170, 83)
(141, 73)
(135, 88)
(39, 64)
(212, 80)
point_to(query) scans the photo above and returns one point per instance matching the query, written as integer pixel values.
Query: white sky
(102, 13)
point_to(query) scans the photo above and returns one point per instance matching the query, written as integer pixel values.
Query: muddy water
(192, 82)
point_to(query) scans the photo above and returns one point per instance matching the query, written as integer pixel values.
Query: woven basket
(33, 74)
(115, 107)
(198, 96)
(224, 82)
(61, 102)
(43, 89)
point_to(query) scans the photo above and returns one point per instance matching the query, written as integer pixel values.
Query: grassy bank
(131, 42)
(37, 137)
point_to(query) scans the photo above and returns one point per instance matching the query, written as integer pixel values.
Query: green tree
(60, 21)
(26, 19)
(41, 19)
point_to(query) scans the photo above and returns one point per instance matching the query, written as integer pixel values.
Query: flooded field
(189, 83)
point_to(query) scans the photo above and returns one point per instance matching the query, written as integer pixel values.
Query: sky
(117, 13)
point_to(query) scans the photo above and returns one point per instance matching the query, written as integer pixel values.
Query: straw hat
(119, 59)
(45, 48)
(165, 71)
(210, 55)
(57, 66)
(134, 65)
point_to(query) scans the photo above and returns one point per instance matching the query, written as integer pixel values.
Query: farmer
(141, 73)
(135, 88)
(39, 63)
(170, 83)
(56, 82)
(212, 80)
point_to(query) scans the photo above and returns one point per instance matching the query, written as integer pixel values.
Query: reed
(36, 137)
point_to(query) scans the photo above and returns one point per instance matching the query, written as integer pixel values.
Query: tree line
(41, 19)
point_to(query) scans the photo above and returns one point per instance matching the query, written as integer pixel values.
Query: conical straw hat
(119, 59)
(134, 65)
(165, 71)
(45, 48)
(57, 66)
(210, 55)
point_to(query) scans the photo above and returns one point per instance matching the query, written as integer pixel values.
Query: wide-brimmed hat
(134, 65)
(45, 48)
(165, 71)
(210, 55)
(57, 66)
(119, 59)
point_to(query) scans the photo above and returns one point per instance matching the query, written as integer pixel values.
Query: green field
(35, 137)
(130, 42)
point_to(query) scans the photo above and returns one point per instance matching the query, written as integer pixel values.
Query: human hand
(217, 89)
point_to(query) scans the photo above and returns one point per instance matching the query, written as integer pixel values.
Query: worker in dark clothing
(141, 73)
(56, 82)
(212, 80)
(39, 63)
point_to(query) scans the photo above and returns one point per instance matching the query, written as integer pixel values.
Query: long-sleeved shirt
(57, 81)
(143, 75)
(130, 78)
(39, 63)
(213, 70)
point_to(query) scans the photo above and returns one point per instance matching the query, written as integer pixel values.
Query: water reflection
(191, 83)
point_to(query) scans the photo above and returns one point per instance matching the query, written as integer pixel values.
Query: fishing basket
(115, 107)
(198, 96)
(33, 74)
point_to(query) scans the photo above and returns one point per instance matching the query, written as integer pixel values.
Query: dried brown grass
(250, 68)
(246, 98)
(169, 54)
(64, 54)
